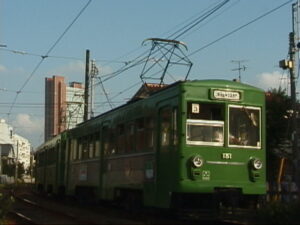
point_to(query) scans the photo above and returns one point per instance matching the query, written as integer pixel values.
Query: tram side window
(130, 137)
(121, 138)
(140, 139)
(112, 142)
(149, 132)
(109, 141)
(97, 145)
(175, 129)
(166, 116)
(105, 137)
(74, 149)
(63, 150)
(91, 145)
(41, 159)
(51, 155)
(37, 160)
(79, 148)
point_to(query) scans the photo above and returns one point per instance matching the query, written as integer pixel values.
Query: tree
(278, 129)
(9, 168)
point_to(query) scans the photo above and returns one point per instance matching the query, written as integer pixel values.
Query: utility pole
(292, 52)
(1, 46)
(94, 73)
(290, 64)
(87, 84)
(0, 160)
(240, 67)
(17, 159)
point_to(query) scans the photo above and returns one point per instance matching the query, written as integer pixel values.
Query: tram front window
(205, 124)
(244, 126)
(201, 132)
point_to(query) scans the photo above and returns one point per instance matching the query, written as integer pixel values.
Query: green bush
(6, 201)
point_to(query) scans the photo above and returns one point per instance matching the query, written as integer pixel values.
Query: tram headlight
(257, 164)
(197, 161)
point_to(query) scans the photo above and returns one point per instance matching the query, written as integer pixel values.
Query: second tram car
(189, 144)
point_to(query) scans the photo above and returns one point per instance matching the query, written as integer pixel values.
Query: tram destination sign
(226, 95)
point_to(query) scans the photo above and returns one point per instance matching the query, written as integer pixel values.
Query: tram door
(165, 152)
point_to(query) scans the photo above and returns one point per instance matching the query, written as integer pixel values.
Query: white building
(75, 104)
(22, 149)
(12, 146)
(6, 142)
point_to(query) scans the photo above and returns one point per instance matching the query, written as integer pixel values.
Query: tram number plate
(226, 156)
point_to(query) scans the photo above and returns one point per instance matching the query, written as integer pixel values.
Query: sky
(114, 31)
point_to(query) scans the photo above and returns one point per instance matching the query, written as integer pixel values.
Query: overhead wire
(189, 21)
(211, 19)
(43, 57)
(233, 31)
(240, 27)
(59, 57)
(143, 57)
(181, 31)
(198, 20)
(126, 67)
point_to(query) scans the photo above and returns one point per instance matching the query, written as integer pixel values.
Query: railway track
(30, 208)
(48, 212)
(223, 217)
(34, 213)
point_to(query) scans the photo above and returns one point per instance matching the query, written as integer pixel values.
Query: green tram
(189, 144)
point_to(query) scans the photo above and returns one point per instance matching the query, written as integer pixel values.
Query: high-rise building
(55, 97)
(63, 105)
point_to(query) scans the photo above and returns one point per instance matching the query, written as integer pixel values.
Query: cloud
(29, 127)
(270, 80)
(29, 124)
(71, 68)
(75, 71)
(2, 68)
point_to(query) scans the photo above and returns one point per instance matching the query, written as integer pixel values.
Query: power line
(184, 22)
(25, 53)
(211, 19)
(240, 28)
(199, 20)
(225, 35)
(141, 58)
(46, 55)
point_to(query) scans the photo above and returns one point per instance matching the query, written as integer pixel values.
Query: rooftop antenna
(169, 52)
(240, 67)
